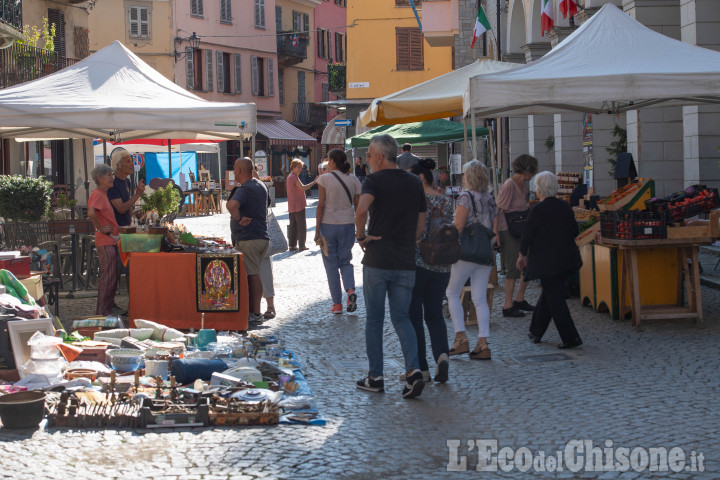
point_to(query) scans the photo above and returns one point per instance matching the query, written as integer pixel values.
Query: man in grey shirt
(406, 159)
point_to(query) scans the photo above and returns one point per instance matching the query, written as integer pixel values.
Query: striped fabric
(108, 255)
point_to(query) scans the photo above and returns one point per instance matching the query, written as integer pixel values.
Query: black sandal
(269, 313)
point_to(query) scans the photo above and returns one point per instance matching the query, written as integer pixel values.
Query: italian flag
(568, 7)
(481, 25)
(547, 17)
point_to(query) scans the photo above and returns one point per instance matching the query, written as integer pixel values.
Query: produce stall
(640, 253)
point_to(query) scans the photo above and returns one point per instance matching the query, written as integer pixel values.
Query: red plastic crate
(633, 225)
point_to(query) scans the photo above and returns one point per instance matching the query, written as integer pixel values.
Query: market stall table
(688, 267)
(163, 290)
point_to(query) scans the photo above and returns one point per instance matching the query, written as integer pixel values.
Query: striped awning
(333, 135)
(280, 132)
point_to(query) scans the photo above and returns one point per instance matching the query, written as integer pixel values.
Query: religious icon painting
(217, 282)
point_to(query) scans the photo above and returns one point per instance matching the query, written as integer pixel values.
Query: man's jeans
(398, 286)
(340, 240)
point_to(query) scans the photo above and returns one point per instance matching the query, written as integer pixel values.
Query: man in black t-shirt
(396, 203)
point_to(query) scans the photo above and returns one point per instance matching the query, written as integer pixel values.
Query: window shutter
(190, 75)
(254, 73)
(200, 7)
(262, 13)
(193, 7)
(134, 26)
(296, 21)
(270, 78)
(301, 86)
(209, 69)
(278, 18)
(144, 22)
(306, 23)
(325, 92)
(416, 50)
(402, 44)
(321, 43)
(329, 45)
(281, 86)
(57, 18)
(220, 72)
(238, 72)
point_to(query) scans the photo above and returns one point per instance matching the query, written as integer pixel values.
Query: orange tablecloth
(163, 289)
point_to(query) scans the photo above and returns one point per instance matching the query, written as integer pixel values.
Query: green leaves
(24, 198)
(164, 200)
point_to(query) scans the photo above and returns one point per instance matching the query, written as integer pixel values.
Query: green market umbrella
(418, 133)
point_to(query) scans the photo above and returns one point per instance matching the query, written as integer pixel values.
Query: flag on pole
(547, 17)
(568, 7)
(481, 25)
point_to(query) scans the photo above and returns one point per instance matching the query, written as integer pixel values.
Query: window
(281, 86)
(409, 48)
(343, 3)
(139, 22)
(238, 72)
(260, 13)
(223, 71)
(194, 61)
(324, 43)
(340, 47)
(226, 12)
(301, 86)
(57, 18)
(262, 71)
(301, 22)
(209, 69)
(278, 18)
(325, 92)
(406, 3)
(196, 8)
(198, 59)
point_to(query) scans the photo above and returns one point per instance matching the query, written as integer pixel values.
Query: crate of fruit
(689, 203)
(633, 225)
(629, 197)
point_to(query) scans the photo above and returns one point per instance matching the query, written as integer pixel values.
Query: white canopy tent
(114, 95)
(611, 64)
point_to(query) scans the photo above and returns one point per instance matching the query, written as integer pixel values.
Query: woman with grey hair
(102, 216)
(548, 252)
(513, 197)
(476, 178)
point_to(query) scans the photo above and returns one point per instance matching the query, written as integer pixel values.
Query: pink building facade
(330, 46)
(236, 60)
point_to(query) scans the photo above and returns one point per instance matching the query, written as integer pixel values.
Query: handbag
(278, 242)
(475, 241)
(516, 222)
(441, 245)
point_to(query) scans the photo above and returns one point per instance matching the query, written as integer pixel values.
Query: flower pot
(22, 409)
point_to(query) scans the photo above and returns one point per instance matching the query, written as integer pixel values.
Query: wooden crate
(588, 236)
(633, 199)
(711, 230)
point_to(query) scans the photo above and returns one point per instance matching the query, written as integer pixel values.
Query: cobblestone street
(623, 388)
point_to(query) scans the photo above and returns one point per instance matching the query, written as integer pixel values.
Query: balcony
(309, 115)
(336, 78)
(21, 63)
(10, 22)
(291, 48)
(441, 22)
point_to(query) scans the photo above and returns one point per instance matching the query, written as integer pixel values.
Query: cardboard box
(93, 354)
(34, 286)
(18, 265)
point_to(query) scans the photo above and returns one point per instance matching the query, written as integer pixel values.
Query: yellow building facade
(386, 50)
(145, 27)
(296, 75)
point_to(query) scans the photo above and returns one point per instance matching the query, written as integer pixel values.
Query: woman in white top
(339, 194)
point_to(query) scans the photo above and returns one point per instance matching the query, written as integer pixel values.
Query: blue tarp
(156, 165)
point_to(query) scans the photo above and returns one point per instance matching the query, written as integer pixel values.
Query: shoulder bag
(278, 242)
(516, 220)
(475, 241)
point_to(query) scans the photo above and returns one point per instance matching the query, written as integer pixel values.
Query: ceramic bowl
(125, 359)
(74, 373)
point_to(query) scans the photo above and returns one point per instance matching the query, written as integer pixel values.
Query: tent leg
(87, 181)
(252, 152)
(474, 134)
(493, 162)
(465, 142)
(106, 160)
(170, 159)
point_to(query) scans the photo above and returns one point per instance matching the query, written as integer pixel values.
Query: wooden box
(632, 199)
(93, 354)
(710, 230)
(588, 236)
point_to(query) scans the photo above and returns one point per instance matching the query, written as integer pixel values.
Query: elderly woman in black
(548, 252)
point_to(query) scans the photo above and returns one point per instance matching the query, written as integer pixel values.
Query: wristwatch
(360, 239)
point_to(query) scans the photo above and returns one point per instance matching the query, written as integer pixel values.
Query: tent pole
(106, 160)
(474, 136)
(87, 181)
(253, 149)
(465, 127)
(170, 158)
(492, 160)
(498, 147)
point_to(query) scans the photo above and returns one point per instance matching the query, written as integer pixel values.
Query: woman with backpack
(474, 205)
(339, 193)
(431, 280)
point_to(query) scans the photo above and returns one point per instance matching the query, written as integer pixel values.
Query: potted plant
(27, 48)
(161, 204)
(22, 199)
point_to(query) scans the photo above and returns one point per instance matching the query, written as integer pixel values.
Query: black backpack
(441, 245)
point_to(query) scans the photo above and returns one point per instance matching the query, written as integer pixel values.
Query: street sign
(138, 161)
(343, 123)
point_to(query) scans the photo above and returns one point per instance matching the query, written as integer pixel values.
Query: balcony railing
(291, 48)
(21, 63)
(11, 13)
(309, 114)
